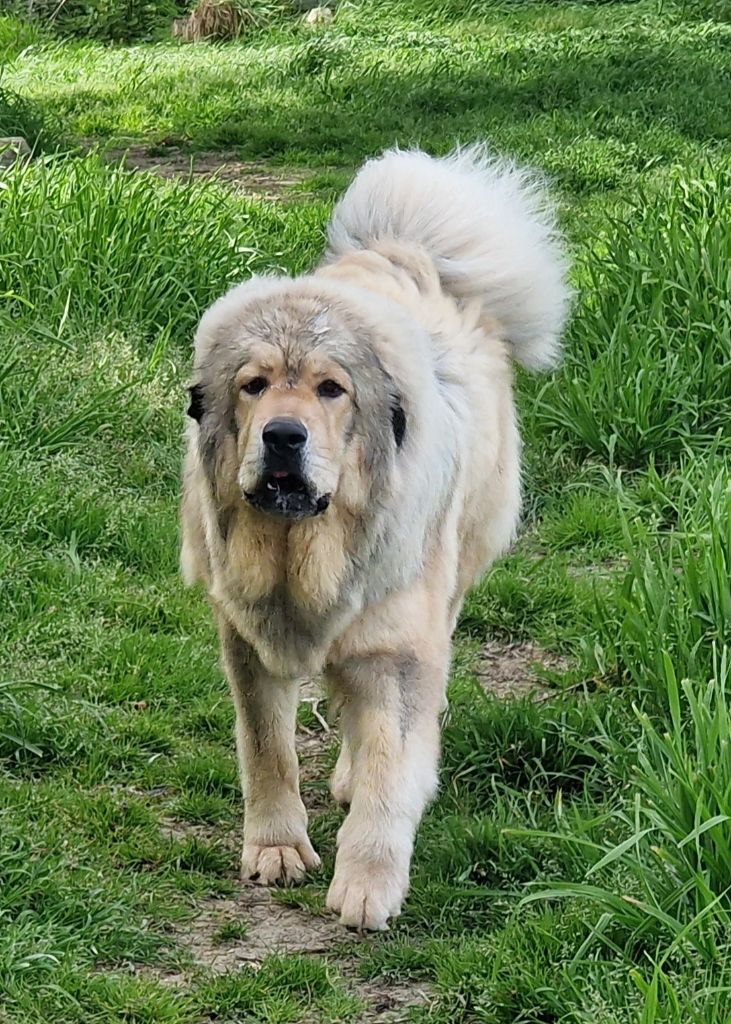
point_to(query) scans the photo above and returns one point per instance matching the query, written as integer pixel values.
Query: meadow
(576, 867)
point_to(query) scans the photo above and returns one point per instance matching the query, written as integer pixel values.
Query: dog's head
(291, 397)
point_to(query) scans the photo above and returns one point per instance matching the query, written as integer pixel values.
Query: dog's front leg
(276, 845)
(390, 708)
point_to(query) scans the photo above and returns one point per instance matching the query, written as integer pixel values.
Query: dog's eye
(330, 389)
(255, 386)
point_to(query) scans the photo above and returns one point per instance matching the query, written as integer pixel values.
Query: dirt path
(252, 177)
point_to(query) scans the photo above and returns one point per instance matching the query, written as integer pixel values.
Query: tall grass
(664, 889)
(683, 776)
(648, 368)
(92, 244)
(15, 35)
(674, 607)
(121, 20)
(661, 876)
(22, 117)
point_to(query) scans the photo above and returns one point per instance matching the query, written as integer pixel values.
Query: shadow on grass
(20, 116)
(604, 103)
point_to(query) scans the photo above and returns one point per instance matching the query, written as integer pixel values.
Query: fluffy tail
(486, 225)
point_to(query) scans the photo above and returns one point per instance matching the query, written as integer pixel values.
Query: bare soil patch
(252, 177)
(270, 927)
(178, 831)
(390, 1001)
(513, 670)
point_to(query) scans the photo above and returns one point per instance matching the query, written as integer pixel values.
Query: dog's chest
(290, 641)
(287, 594)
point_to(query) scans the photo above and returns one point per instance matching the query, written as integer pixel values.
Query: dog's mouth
(287, 495)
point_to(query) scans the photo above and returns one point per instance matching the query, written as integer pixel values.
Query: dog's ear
(398, 420)
(197, 408)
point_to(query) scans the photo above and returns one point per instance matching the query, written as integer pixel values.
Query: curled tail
(486, 225)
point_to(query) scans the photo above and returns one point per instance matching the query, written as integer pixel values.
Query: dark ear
(196, 407)
(398, 420)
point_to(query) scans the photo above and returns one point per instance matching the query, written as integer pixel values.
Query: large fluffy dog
(353, 467)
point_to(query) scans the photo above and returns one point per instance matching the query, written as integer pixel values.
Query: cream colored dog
(353, 467)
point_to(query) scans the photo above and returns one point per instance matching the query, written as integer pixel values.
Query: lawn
(577, 865)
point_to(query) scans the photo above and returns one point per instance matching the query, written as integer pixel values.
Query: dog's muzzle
(283, 489)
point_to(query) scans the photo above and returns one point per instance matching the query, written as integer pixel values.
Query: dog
(352, 469)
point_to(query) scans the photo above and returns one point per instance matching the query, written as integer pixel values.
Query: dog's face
(293, 425)
(295, 392)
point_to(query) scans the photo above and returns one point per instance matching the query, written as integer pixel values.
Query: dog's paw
(269, 865)
(365, 899)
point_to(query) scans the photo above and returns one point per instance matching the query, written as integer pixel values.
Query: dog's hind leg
(341, 783)
(341, 780)
(276, 845)
(390, 706)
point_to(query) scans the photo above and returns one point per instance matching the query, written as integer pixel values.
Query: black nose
(283, 433)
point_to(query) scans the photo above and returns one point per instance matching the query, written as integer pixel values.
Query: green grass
(22, 118)
(577, 865)
(658, 271)
(598, 93)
